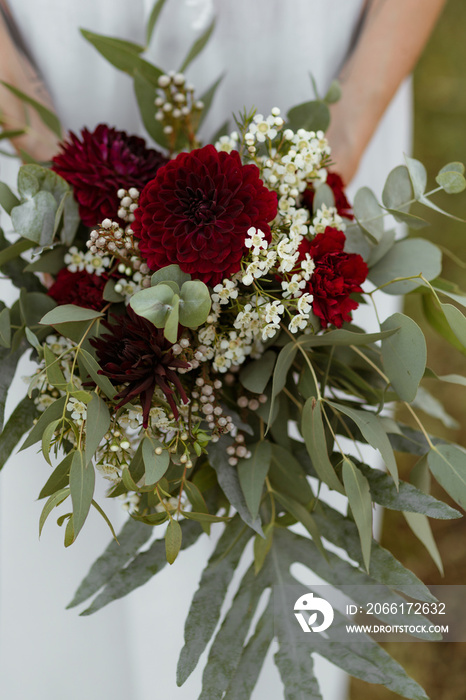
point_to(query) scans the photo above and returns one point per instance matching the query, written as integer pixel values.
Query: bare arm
(16, 68)
(391, 41)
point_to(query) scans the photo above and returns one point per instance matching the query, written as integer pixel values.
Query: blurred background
(439, 137)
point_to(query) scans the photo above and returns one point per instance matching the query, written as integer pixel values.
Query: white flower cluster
(228, 143)
(76, 261)
(262, 259)
(326, 216)
(263, 128)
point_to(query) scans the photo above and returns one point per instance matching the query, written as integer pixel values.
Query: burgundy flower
(197, 210)
(336, 275)
(102, 162)
(137, 354)
(337, 186)
(79, 288)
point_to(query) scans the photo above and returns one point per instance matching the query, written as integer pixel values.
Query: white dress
(130, 649)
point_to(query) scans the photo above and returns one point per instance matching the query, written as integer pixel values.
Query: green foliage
(155, 465)
(255, 375)
(47, 207)
(82, 483)
(410, 257)
(197, 47)
(448, 464)
(47, 117)
(252, 473)
(8, 199)
(18, 423)
(173, 538)
(359, 498)
(404, 355)
(316, 443)
(312, 116)
(369, 214)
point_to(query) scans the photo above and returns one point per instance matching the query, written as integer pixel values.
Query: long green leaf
(284, 361)
(155, 464)
(152, 21)
(82, 483)
(312, 428)
(8, 199)
(52, 413)
(197, 47)
(50, 119)
(145, 93)
(59, 478)
(97, 424)
(372, 429)
(448, 464)
(19, 422)
(252, 473)
(343, 337)
(420, 526)
(404, 355)
(359, 497)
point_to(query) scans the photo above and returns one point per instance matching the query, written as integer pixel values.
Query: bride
(267, 48)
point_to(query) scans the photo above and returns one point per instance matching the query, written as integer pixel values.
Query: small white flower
(262, 128)
(256, 240)
(227, 143)
(298, 322)
(273, 312)
(307, 266)
(224, 292)
(293, 287)
(77, 408)
(75, 260)
(305, 303)
(96, 264)
(270, 330)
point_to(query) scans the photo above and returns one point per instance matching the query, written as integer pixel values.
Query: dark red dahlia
(337, 186)
(102, 162)
(137, 354)
(79, 288)
(336, 275)
(196, 212)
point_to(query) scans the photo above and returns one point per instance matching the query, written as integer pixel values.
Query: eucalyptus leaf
(372, 429)
(8, 199)
(195, 303)
(197, 47)
(452, 181)
(82, 483)
(456, 321)
(173, 538)
(228, 480)
(418, 175)
(409, 257)
(54, 501)
(153, 18)
(47, 117)
(333, 93)
(256, 374)
(252, 472)
(207, 98)
(398, 191)
(287, 475)
(314, 436)
(172, 273)
(154, 304)
(312, 116)
(171, 324)
(69, 312)
(144, 91)
(448, 464)
(93, 368)
(97, 424)
(342, 337)
(155, 464)
(52, 413)
(359, 497)
(20, 421)
(59, 479)
(5, 328)
(323, 196)
(369, 214)
(404, 355)
(285, 359)
(420, 526)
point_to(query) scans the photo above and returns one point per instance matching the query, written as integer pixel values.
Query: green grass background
(439, 137)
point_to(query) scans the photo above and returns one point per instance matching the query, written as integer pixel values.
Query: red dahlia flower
(336, 275)
(196, 212)
(102, 162)
(337, 186)
(79, 288)
(137, 354)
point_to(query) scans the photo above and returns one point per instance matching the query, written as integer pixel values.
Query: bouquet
(193, 313)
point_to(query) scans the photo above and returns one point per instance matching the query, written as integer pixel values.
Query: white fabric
(269, 47)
